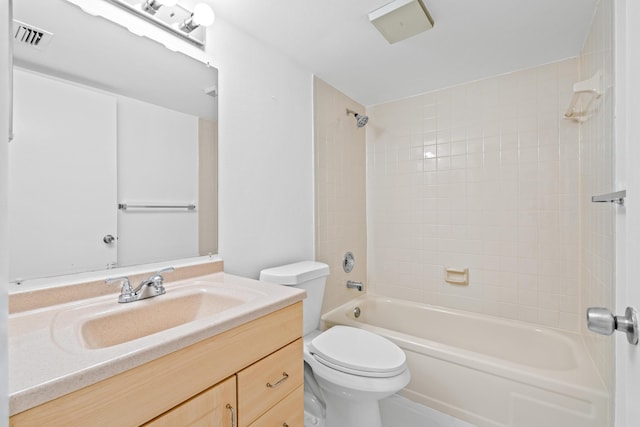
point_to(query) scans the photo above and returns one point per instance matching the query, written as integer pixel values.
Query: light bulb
(203, 15)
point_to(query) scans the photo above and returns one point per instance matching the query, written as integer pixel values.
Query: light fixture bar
(167, 21)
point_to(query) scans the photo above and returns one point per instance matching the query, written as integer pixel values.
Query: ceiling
(471, 40)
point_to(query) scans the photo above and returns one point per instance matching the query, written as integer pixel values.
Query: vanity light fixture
(152, 6)
(202, 16)
(172, 17)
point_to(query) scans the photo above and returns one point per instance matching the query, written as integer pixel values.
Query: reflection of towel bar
(125, 206)
(451, 273)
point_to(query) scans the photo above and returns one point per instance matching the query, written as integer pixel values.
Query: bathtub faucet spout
(355, 285)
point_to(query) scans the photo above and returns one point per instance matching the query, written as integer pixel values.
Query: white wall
(265, 154)
(627, 174)
(4, 85)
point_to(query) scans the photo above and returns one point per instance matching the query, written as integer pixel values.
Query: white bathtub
(486, 370)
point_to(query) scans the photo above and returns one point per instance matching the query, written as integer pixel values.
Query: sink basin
(126, 325)
(107, 323)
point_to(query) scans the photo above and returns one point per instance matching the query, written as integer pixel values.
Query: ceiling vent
(401, 19)
(29, 35)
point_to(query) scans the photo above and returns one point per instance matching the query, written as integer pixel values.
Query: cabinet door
(215, 407)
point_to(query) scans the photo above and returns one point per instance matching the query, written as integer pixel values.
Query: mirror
(114, 156)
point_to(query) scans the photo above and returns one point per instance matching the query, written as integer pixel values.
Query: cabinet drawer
(211, 408)
(288, 412)
(266, 382)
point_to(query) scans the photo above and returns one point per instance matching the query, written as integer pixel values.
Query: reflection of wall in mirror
(207, 187)
(157, 154)
(151, 168)
(60, 196)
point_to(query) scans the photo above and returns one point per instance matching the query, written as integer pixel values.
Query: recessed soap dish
(456, 276)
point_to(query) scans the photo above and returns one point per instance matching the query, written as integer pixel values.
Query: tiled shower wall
(340, 190)
(483, 176)
(597, 177)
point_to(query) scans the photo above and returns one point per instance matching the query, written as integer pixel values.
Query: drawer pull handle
(285, 425)
(233, 415)
(285, 377)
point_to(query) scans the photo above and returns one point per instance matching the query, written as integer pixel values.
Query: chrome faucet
(148, 288)
(355, 285)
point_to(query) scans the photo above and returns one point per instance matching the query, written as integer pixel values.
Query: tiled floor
(397, 411)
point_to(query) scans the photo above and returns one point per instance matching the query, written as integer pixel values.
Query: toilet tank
(308, 275)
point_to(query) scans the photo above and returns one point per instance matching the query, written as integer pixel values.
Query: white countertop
(45, 363)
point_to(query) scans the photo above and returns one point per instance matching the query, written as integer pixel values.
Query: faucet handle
(156, 278)
(126, 285)
(164, 270)
(127, 291)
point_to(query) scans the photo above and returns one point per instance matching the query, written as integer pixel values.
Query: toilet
(347, 370)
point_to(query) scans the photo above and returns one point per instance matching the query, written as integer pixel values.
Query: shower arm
(360, 118)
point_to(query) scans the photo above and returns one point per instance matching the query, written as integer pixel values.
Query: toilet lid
(358, 352)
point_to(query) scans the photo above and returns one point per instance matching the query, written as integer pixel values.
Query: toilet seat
(358, 352)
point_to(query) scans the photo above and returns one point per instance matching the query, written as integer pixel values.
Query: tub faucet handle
(355, 285)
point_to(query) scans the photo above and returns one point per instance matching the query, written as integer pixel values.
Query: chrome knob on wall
(108, 239)
(600, 320)
(348, 262)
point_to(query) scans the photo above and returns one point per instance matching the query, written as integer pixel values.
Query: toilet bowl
(354, 369)
(347, 370)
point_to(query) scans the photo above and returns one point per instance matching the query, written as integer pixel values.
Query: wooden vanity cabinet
(269, 393)
(194, 385)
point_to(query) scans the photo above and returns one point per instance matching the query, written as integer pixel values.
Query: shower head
(361, 120)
